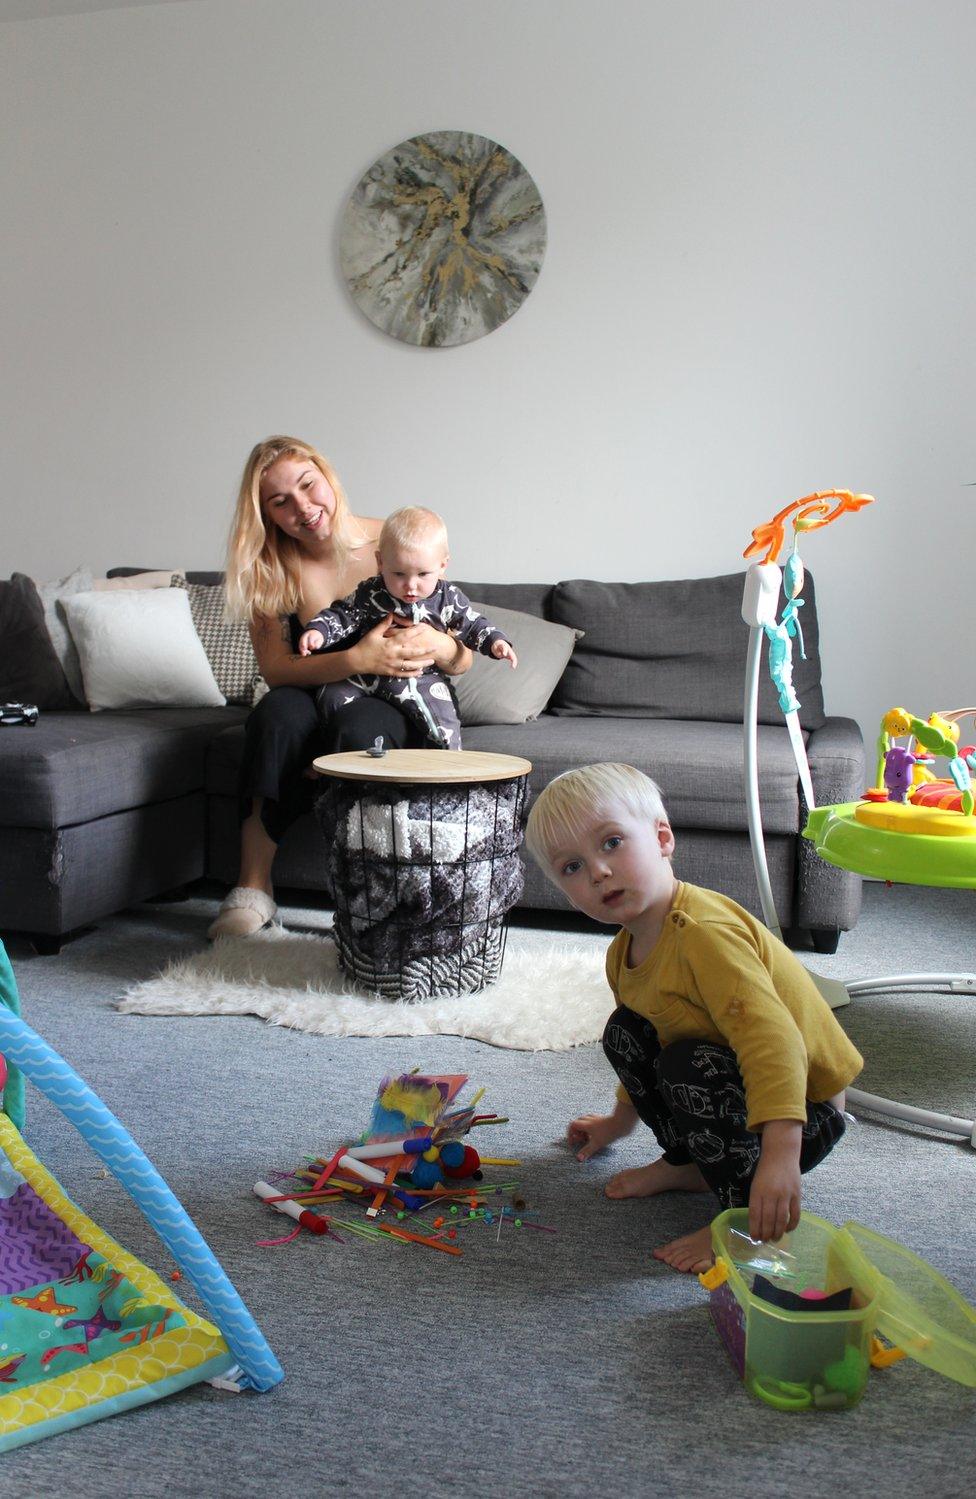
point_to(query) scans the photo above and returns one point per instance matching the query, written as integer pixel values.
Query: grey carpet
(567, 1364)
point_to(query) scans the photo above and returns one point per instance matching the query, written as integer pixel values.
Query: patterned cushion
(228, 646)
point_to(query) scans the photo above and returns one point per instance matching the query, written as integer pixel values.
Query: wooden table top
(423, 767)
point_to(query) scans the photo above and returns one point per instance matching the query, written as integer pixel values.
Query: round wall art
(443, 238)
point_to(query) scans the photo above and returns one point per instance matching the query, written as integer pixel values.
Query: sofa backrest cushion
(211, 579)
(673, 650)
(530, 598)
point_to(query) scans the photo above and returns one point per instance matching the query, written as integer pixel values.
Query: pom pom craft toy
(910, 828)
(803, 1320)
(87, 1330)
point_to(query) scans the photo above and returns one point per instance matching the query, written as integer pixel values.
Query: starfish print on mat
(94, 1326)
(44, 1301)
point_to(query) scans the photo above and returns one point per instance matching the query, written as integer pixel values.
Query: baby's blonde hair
(411, 526)
(574, 800)
(263, 572)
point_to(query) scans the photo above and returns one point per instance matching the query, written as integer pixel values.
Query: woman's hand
(387, 650)
(453, 657)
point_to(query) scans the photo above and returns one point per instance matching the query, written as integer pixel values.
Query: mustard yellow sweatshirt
(717, 974)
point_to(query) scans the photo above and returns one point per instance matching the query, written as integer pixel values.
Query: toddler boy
(722, 1042)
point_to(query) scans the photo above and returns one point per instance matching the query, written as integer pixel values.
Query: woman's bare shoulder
(365, 531)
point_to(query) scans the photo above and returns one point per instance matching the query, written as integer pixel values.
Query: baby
(722, 1042)
(412, 558)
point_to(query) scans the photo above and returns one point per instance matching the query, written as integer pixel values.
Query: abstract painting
(443, 238)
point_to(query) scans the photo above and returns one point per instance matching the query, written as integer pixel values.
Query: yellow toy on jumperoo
(911, 827)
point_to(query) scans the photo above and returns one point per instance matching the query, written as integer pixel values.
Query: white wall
(759, 282)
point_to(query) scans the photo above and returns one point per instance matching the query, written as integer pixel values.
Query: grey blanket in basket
(422, 876)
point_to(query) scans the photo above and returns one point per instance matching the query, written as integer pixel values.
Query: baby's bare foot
(692, 1254)
(659, 1176)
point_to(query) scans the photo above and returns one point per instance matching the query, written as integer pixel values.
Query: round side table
(425, 865)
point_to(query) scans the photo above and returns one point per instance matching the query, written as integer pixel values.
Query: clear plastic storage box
(796, 1356)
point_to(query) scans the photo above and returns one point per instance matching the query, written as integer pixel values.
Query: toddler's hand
(309, 641)
(592, 1132)
(775, 1195)
(502, 651)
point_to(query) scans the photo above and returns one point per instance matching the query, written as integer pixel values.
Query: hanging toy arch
(910, 827)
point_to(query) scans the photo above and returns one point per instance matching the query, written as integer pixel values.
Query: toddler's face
(412, 573)
(616, 868)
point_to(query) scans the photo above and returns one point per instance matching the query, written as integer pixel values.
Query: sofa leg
(42, 944)
(824, 938)
(45, 946)
(171, 897)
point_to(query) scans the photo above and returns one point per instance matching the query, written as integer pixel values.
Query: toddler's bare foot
(692, 1254)
(659, 1176)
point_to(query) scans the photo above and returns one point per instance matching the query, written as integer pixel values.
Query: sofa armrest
(829, 899)
(837, 761)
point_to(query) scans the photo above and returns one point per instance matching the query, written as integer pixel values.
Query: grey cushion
(491, 692)
(74, 767)
(30, 671)
(673, 650)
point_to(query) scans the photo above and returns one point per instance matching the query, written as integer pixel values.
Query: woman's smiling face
(297, 496)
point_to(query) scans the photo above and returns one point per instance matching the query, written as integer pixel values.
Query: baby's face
(412, 573)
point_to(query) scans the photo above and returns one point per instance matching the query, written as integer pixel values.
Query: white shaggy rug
(552, 993)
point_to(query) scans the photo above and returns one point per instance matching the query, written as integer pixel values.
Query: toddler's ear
(665, 838)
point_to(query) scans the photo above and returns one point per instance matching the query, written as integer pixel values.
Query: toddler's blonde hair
(573, 801)
(411, 526)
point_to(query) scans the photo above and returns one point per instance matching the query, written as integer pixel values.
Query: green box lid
(918, 1310)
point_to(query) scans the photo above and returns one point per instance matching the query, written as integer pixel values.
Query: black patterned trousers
(692, 1096)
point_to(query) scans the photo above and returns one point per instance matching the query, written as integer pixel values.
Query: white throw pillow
(139, 649)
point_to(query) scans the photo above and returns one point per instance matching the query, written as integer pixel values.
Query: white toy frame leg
(762, 584)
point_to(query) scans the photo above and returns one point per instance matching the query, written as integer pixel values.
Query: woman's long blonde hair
(263, 575)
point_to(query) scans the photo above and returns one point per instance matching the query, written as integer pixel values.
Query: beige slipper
(242, 913)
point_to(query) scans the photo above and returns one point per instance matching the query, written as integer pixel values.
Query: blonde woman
(294, 548)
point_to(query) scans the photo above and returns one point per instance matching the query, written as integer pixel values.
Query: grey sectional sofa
(98, 811)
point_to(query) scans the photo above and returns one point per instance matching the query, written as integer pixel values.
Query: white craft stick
(383, 1148)
(301, 1215)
